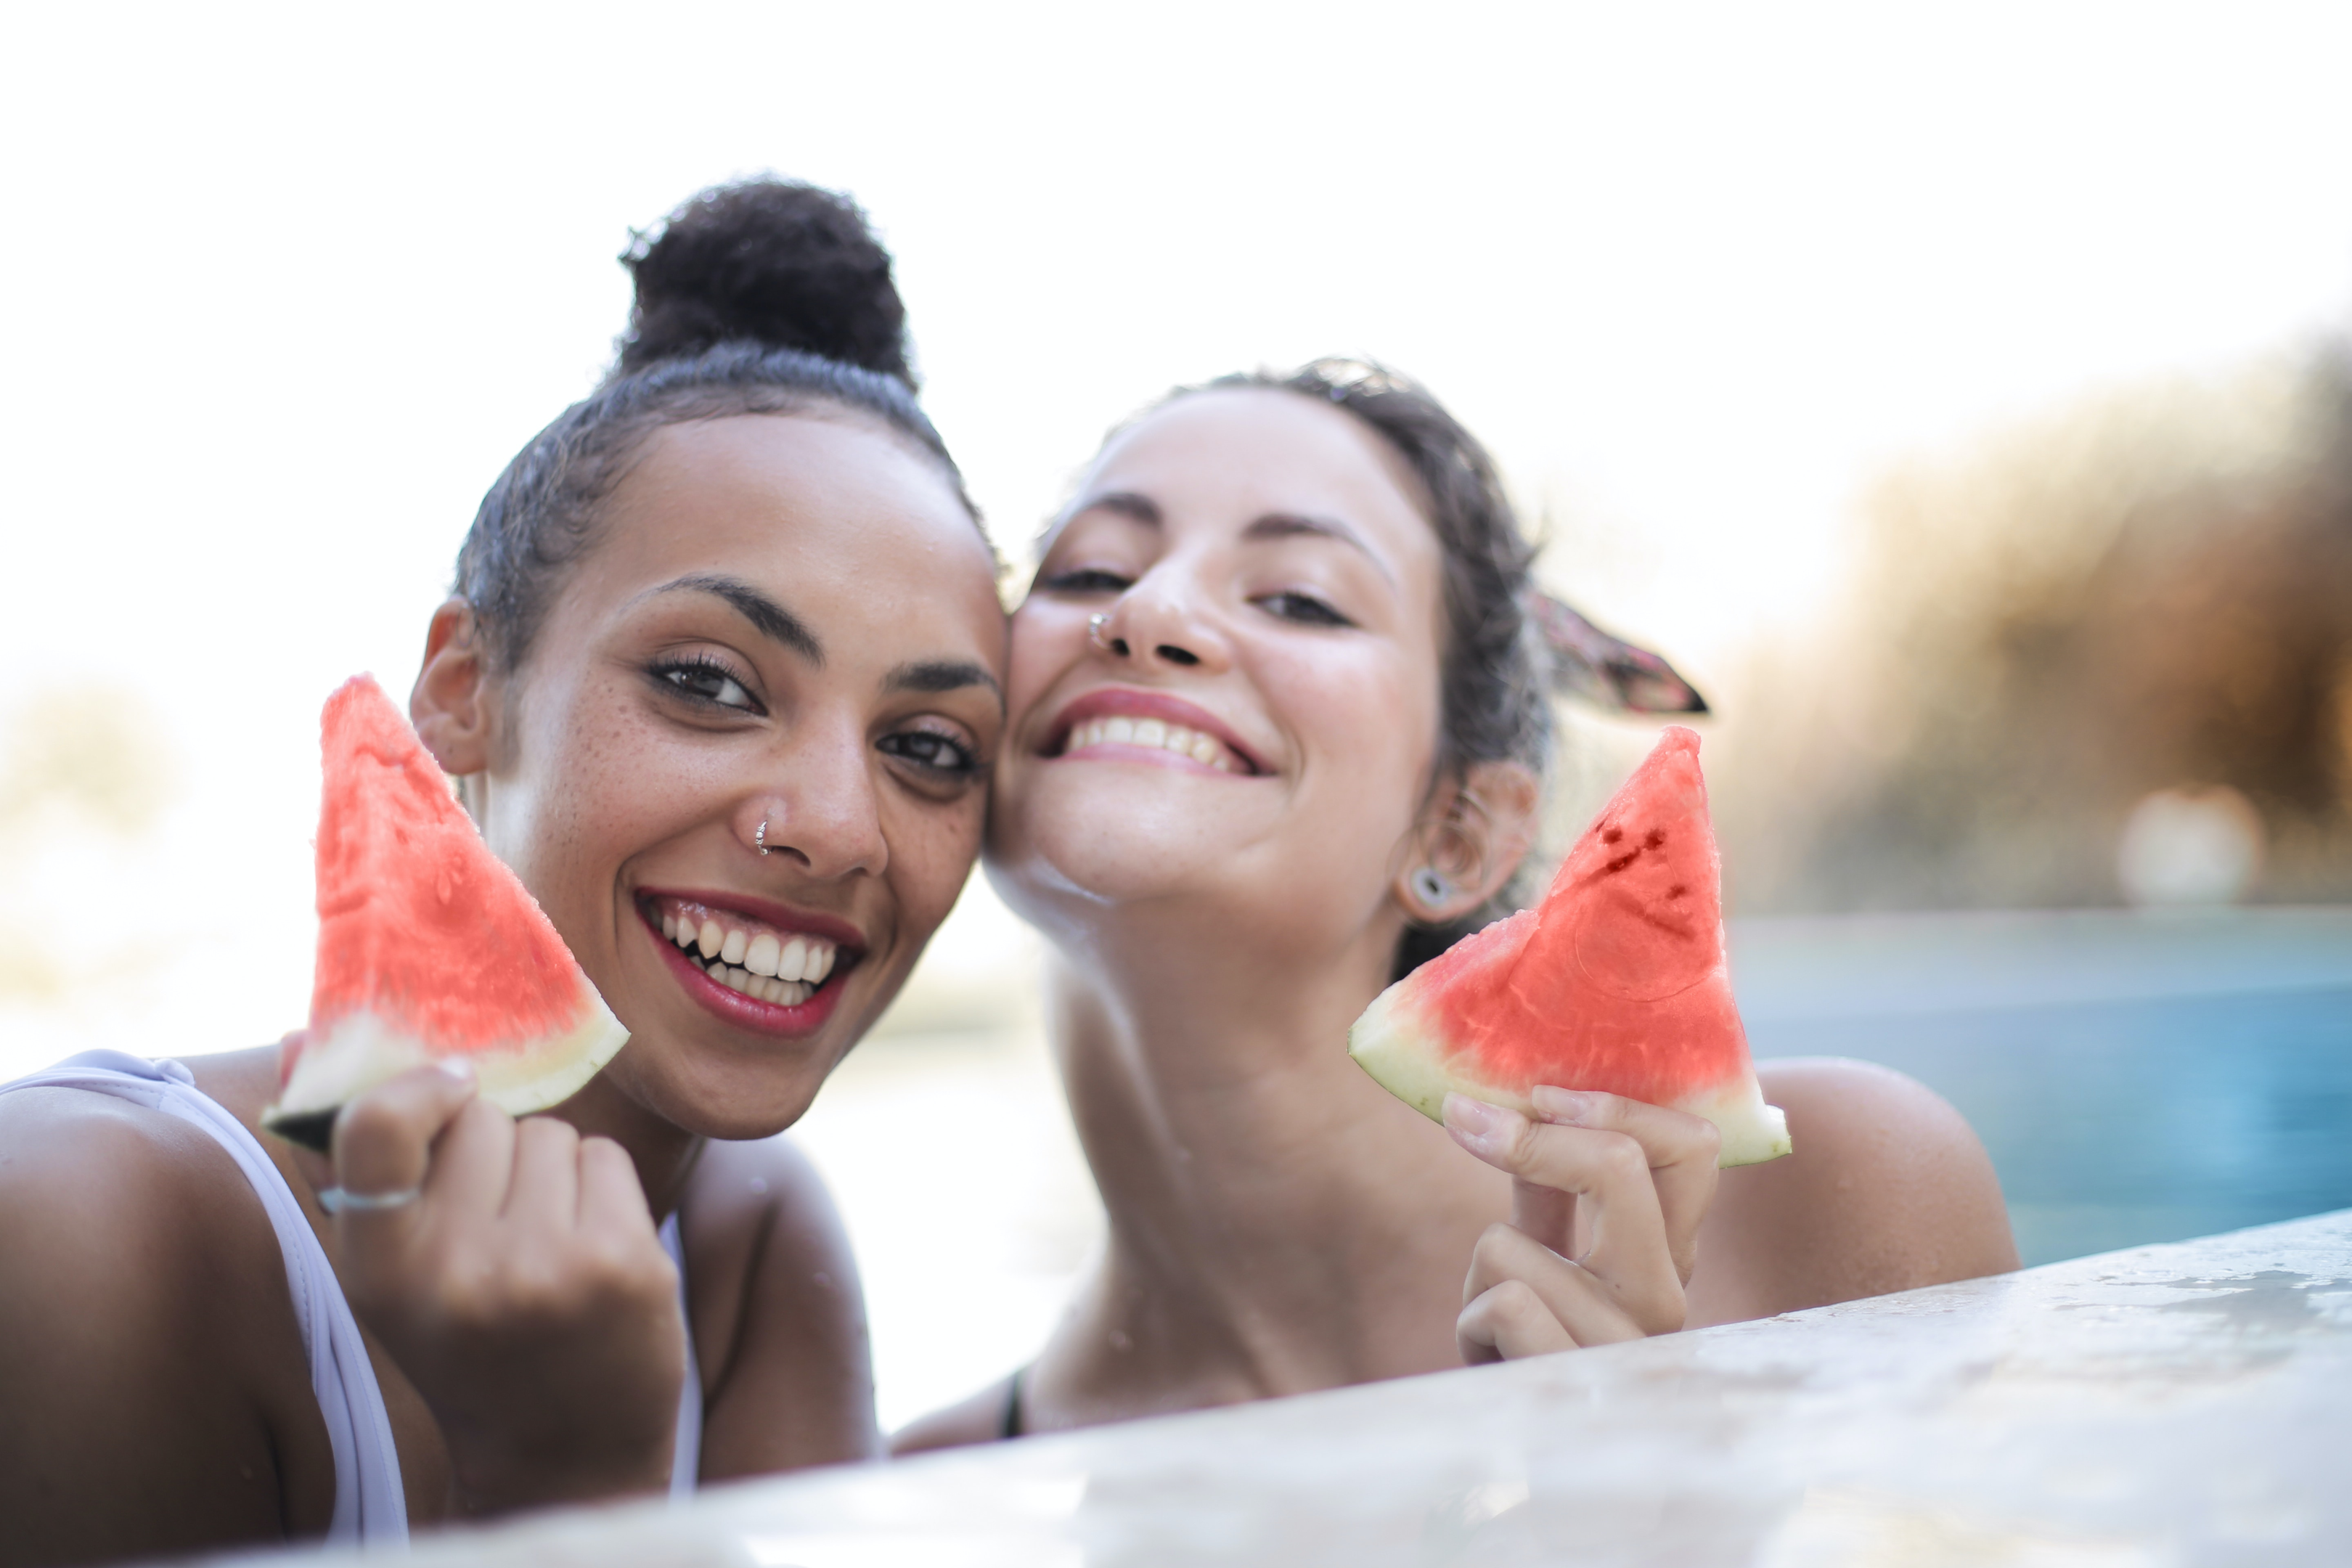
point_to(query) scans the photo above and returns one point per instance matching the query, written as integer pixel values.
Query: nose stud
(760, 838)
(1094, 631)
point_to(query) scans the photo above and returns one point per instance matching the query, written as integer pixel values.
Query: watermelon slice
(428, 946)
(1616, 981)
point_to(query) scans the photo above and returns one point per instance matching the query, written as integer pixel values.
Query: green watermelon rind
(362, 1048)
(1412, 1062)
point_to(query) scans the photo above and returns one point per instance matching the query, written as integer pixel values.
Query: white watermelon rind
(1411, 1061)
(362, 1048)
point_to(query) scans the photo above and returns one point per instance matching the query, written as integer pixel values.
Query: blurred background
(1959, 395)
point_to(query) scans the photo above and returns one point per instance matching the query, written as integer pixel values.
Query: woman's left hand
(1644, 1177)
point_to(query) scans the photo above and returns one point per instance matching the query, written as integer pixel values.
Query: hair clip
(1608, 671)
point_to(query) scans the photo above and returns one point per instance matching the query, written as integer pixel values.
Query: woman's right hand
(1645, 1177)
(525, 1292)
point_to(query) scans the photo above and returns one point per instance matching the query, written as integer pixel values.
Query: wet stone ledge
(2189, 1403)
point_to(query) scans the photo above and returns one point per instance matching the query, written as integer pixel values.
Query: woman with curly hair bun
(722, 679)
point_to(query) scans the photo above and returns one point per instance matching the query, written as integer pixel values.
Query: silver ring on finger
(335, 1200)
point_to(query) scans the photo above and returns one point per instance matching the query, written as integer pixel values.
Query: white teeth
(760, 957)
(1154, 733)
(771, 966)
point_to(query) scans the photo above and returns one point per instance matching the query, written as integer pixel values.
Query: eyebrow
(941, 674)
(1142, 509)
(1291, 524)
(773, 621)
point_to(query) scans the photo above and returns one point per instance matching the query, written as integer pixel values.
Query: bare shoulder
(146, 1337)
(977, 1419)
(1889, 1189)
(779, 1316)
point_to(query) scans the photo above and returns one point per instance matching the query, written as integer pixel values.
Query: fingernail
(460, 1068)
(1475, 1122)
(1565, 1104)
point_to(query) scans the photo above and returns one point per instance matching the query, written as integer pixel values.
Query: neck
(662, 1152)
(1277, 1221)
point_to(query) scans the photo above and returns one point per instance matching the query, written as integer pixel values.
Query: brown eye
(933, 751)
(1087, 580)
(707, 682)
(1305, 609)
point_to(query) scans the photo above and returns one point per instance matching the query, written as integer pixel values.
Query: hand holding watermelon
(1617, 982)
(523, 1291)
(1641, 1178)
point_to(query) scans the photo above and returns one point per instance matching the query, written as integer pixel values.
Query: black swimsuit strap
(1012, 1426)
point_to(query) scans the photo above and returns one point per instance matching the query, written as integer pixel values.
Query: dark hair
(765, 297)
(1508, 645)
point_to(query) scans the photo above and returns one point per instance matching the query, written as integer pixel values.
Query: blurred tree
(2152, 590)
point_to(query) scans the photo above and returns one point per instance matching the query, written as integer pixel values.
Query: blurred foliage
(75, 763)
(2152, 590)
(93, 752)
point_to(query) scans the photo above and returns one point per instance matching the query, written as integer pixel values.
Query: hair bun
(776, 262)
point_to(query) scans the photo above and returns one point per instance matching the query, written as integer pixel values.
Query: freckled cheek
(603, 787)
(931, 852)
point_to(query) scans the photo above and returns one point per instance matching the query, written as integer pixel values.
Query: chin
(1094, 852)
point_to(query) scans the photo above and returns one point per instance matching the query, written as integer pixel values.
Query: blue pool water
(2135, 1078)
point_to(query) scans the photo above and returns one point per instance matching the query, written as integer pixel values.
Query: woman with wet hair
(721, 679)
(1280, 720)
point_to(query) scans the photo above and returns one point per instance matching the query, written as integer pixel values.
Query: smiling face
(780, 621)
(1252, 730)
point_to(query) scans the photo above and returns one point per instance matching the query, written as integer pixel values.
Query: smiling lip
(767, 911)
(733, 1007)
(1126, 701)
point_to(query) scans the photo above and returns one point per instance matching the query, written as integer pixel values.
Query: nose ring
(760, 838)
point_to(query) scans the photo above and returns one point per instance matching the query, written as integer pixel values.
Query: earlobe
(1480, 828)
(452, 704)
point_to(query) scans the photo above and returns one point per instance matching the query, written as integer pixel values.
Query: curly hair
(764, 297)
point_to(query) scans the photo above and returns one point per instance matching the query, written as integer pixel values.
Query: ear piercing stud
(1433, 890)
(760, 838)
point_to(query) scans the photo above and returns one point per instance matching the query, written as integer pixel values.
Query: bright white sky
(287, 287)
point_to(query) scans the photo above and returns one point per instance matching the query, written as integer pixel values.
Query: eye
(707, 682)
(1087, 580)
(942, 755)
(1305, 609)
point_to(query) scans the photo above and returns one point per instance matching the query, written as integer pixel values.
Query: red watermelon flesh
(429, 947)
(1616, 981)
